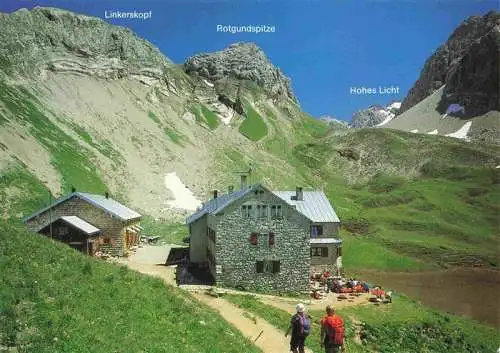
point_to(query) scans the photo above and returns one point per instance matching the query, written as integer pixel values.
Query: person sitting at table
(365, 286)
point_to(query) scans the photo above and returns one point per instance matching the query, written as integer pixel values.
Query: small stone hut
(89, 223)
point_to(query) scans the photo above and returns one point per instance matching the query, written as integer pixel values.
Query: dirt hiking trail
(271, 340)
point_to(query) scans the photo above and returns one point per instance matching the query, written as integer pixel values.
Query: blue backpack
(306, 325)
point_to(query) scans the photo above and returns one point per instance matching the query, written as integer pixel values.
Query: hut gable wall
(112, 227)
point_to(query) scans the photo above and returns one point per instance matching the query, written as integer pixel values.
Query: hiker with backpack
(300, 325)
(332, 332)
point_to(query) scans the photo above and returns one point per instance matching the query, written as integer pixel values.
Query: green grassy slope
(403, 326)
(412, 201)
(423, 201)
(68, 157)
(20, 193)
(203, 115)
(53, 299)
(253, 127)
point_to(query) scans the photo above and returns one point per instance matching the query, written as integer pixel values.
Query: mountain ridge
(468, 57)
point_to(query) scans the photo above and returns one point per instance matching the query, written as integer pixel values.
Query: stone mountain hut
(260, 239)
(89, 223)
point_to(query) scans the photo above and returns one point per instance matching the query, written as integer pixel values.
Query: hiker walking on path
(332, 332)
(300, 325)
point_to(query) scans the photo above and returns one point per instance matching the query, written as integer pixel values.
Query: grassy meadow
(54, 299)
(403, 326)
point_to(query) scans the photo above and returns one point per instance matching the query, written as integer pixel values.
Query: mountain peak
(46, 37)
(466, 65)
(242, 61)
(375, 116)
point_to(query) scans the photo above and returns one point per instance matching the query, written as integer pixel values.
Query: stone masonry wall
(112, 227)
(237, 256)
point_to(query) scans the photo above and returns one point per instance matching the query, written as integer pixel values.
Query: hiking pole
(255, 340)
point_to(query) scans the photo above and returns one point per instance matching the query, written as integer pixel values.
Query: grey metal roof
(325, 241)
(81, 224)
(216, 205)
(109, 205)
(315, 205)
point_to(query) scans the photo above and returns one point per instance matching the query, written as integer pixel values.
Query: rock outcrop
(375, 115)
(468, 65)
(241, 61)
(37, 40)
(331, 121)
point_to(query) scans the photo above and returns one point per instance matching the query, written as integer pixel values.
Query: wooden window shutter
(271, 238)
(324, 252)
(276, 266)
(253, 238)
(259, 266)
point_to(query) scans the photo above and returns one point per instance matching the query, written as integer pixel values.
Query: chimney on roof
(230, 189)
(73, 189)
(106, 195)
(299, 195)
(243, 181)
(215, 194)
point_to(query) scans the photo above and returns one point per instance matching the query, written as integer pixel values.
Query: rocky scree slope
(91, 105)
(468, 65)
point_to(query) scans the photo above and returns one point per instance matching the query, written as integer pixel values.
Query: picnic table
(150, 239)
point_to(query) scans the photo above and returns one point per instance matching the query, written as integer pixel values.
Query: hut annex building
(89, 223)
(257, 239)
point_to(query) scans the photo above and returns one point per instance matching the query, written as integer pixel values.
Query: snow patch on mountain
(183, 197)
(462, 132)
(395, 105)
(389, 117)
(208, 83)
(433, 132)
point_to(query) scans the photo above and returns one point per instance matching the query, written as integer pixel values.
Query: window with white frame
(316, 231)
(319, 251)
(276, 212)
(246, 211)
(262, 211)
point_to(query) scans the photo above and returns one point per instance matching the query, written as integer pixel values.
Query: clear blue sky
(324, 46)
